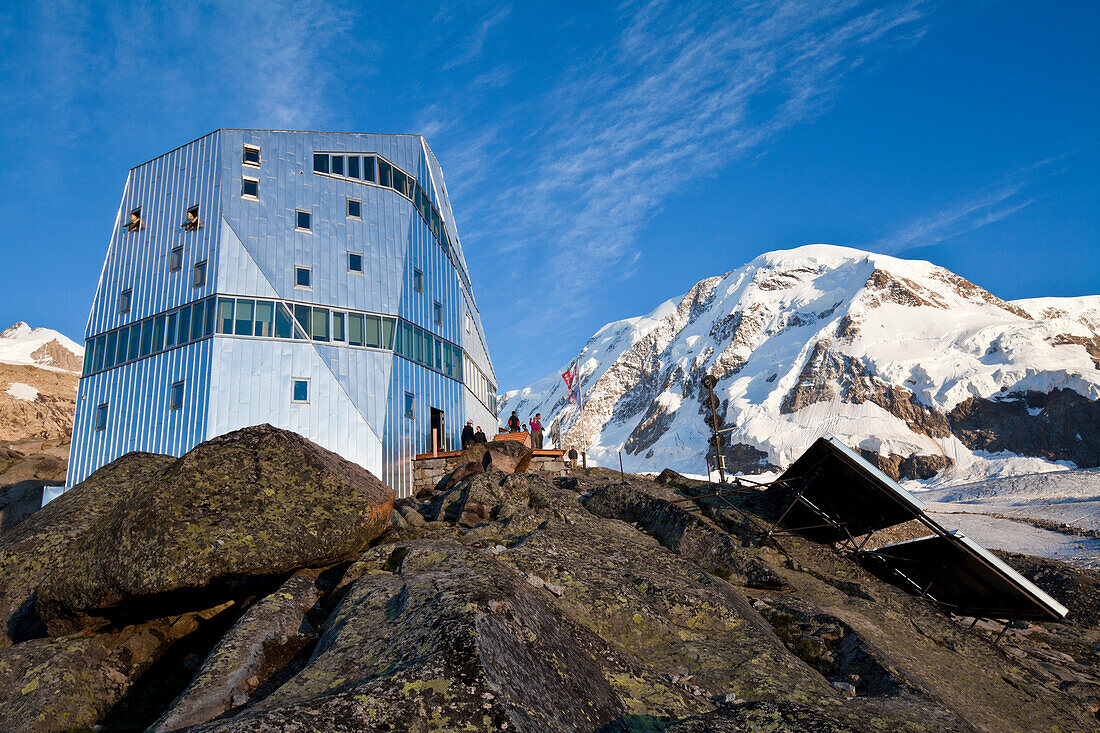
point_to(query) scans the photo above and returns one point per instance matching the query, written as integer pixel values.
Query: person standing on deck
(468, 435)
(513, 423)
(479, 436)
(536, 431)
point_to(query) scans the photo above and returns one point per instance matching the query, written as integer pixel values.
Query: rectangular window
(418, 198)
(158, 333)
(146, 337)
(250, 188)
(338, 165)
(101, 416)
(109, 350)
(385, 174)
(244, 318)
(448, 364)
(355, 262)
(387, 333)
(303, 277)
(418, 280)
(135, 342)
(170, 331)
(184, 329)
(251, 155)
(265, 318)
(437, 312)
(410, 405)
(371, 335)
(134, 222)
(368, 169)
(320, 163)
(303, 220)
(124, 300)
(284, 327)
(89, 359)
(175, 396)
(123, 345)
(355, 208)
(208, 325)
(198, 276)
(300, 391)
(97, 360)
(355, 329)
(337, 326)
(197, 319)
(399, 181)
(301, 315)
(225, 315)
(353, 166)
(175, 259)
(320, 324)
(192, 222)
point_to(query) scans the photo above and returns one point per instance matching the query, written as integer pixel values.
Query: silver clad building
(314, 281)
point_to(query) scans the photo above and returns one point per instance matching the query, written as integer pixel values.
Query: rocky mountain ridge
(928, 374)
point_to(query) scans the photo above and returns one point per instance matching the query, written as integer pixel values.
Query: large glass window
(353, 166)
(388, 327)
(385, 173)
(355, 329)
(109, 350)
(399, 181)
(243, 325)
(337, 165)
(146, 337)
(123, 345)
(158, 333)
(320, 324)
(301, 314)
(284, 328)
(373, 335)
(184, 325)
(170, 330)
(320, 163)
(368, 169)
(265, 318)
(337, 326)
(225, 315)
(198, 311)
(208, 327)
(97, 360)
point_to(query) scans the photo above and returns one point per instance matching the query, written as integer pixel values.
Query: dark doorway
(439, 428)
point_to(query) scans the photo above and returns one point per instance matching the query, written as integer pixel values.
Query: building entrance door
(438, 435)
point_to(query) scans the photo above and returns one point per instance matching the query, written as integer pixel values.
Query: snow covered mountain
(926, 373)
(39, 371)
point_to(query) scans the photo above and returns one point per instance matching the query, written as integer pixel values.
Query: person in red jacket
(513, 423)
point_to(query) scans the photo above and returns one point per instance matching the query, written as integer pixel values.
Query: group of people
(470, 437)
(535, 428)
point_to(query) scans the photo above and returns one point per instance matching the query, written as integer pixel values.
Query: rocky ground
(256, 584)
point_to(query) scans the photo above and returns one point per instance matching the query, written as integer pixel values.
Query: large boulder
(254, 504)
(507, 456)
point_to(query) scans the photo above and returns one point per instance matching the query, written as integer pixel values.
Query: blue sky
(600, 157)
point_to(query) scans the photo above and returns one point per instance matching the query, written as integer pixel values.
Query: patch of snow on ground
(21, 391)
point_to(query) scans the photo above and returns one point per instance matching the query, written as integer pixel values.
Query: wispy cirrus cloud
(681, 94)
(1010, 194)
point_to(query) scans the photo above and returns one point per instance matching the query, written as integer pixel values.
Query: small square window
(198, 275)
(101, 417)
(250, 188)
(418, 280)
(303, 277)
(410, 405)
(192, 221)
(124, 300)
(355, 208)
(251, 155)
(355, 262)
(303, 220)
(175, 396)
(437, 312)
(175, 259)
(320, 163)
(134, 222)
(300, 392)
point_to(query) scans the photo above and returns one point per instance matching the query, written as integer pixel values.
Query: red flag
(569, 376)
(573, 382)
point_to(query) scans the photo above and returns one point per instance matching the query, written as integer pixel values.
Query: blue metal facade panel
(252, 247)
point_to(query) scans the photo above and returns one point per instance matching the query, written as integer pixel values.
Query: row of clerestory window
(374, 169)
(149, 336)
